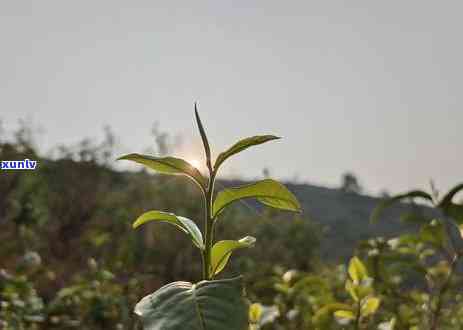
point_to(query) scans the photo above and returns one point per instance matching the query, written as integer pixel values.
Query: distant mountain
(345, 217)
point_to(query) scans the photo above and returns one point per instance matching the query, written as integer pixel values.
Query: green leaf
(390, 201)
(222, 250)
(207, 148)
(242, 145)
(207, 305)
(344, 314)
(169, 165)
(450, 209)
(357, 270)
(369, 306)
(447, 199)
(268, 192)
(184, 224)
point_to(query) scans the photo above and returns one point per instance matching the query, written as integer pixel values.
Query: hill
(344, 217)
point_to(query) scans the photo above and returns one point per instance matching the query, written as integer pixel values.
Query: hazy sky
(374, 87)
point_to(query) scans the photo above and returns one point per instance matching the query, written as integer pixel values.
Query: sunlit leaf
(351, 288)
(323, 315)
(343, 314)
(357, 270)
(184, 224)
(211, 305)
(269, 192)
(255, 313)
(168, 165)
(390, 201)
(369, 306)
(242, 145)
(222, 250)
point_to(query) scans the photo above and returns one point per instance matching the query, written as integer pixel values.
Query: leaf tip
(138, 222)
(127, 157)
(248, 240)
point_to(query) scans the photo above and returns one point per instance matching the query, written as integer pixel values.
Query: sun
(195, 163)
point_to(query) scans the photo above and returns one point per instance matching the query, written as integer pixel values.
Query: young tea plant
(444, 236)
(364, 303)
(210, 304)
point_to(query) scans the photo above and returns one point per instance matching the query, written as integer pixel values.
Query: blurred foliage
(69, 261)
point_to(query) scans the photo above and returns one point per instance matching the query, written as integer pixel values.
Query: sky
(372, 87)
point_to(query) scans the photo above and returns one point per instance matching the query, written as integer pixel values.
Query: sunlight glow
(195, 163)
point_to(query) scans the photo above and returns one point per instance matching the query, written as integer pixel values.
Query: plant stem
(440, 298)
(357, 319)
(209, 227)
(203, 260)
